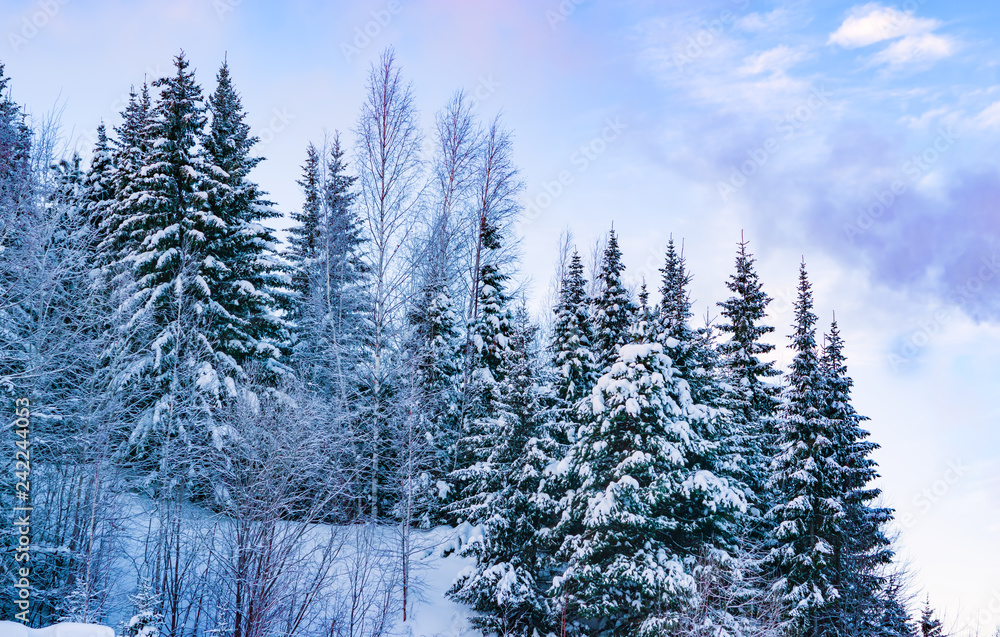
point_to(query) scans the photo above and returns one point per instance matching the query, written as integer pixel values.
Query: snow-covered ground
(69, 629)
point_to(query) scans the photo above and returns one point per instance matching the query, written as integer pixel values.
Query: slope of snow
(66, 629)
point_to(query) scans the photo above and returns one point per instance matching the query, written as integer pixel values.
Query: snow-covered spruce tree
(690, 349)
(435, 348)
(863, 551)
(929, 625)
(642, 512)
(807, 521)
(490, 336)
(509, 585)
(172, 244)
(751, 399)
(572, 339)
(128, 156)
(147, 620)
(15, 154)
(245, 328)
(693, 355)
(613, 307)
(895, 618)
(98, 191)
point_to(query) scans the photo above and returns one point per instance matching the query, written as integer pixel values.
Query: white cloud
(916, 48)
(873, 23)
(989, 117)
(774, 60)
(754, 22)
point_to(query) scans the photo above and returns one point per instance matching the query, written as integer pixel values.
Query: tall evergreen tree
(509, 584)
(613, 308)
(246, 327)
(929, 625)
(751, 400)
(642, 512)
(490, 336)
(15, 153)
(863, 550)
(170, 239)
(808, 516)
(572, 338)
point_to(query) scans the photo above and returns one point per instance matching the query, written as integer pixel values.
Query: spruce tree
(642, 512)
(863, 549)
(930, 626)
(572, 338)
(99, 190)
(170, 240)
(489, 338)
(751, 400)
(509, 584)
(15, 153)
(807, 519)
(246, 327)
(613, 307)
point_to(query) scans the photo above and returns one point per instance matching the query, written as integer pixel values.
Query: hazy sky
(862, 137)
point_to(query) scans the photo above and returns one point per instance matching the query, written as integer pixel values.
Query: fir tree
(750, 399)
(572, 338)
(147, 620)
(613, 308)
(930, 626)
(642, 512)
(808, 516)
(246, 327)
(862, 550)
(170, 239)
(508, 585)
(99, 190)
(489, 338)
(15, 153)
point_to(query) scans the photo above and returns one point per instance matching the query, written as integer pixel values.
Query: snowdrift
(66, 629)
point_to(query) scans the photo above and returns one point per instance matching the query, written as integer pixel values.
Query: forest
(219, 429)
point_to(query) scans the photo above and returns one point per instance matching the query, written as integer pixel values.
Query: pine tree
(808, 516)
(750, 399)
(246, 328)
(642, 512)
(613, 308)
(508, 585)
(863, 549)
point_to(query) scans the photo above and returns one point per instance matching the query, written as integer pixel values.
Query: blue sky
(860, 136)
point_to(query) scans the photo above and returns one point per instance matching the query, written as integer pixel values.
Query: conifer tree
(246, 327)
(807, 520)
(509, 583)
(170, 240)
(15, 153)
(613, 308)
(930, 626)
(863, 549)
(750, 399)
(572, 338)
(98, 191)
(642, 512)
